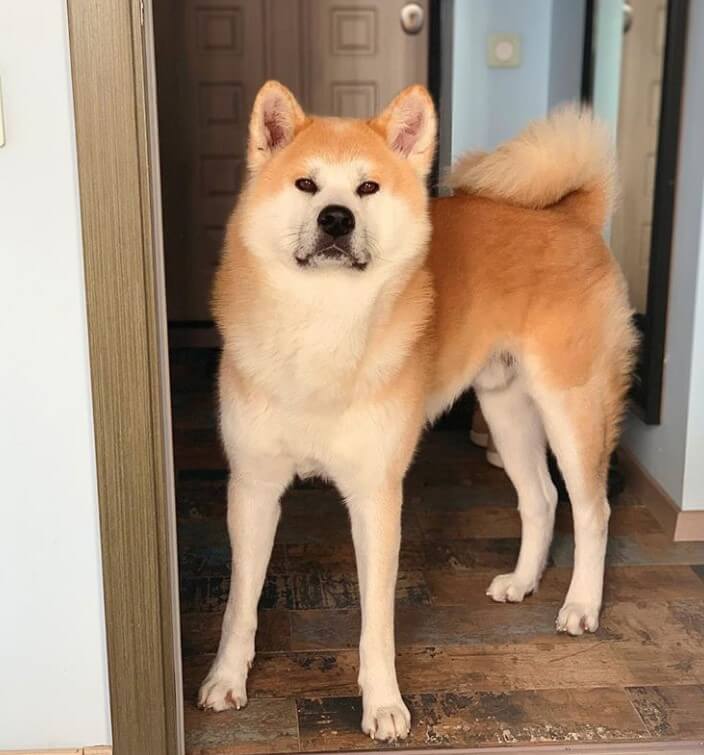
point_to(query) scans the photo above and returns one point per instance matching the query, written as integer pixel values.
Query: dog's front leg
(376, 530)
(252, 515)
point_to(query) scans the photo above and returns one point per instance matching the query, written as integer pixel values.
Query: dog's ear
(409, 126)
(276, 117)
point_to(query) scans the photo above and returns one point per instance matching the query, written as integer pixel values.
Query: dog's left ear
(409, 126)
(276, 118)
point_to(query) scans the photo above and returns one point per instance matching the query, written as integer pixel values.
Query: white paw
(386, 723)
(223, 689)
(508, 588)
(576, 618)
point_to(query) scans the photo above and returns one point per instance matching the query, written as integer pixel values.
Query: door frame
(647, 388)
(112, 68)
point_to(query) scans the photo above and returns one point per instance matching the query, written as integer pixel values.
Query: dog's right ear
(276, 117)
(409, 126)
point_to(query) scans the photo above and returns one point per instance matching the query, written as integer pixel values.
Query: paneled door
(358, 56)
(340, 57)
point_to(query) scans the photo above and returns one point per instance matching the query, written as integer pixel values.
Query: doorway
(476, 674)
(473, 672)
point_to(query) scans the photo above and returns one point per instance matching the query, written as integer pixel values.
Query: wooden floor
(473, 673)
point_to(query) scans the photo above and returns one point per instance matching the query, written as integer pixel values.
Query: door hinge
(141, 12)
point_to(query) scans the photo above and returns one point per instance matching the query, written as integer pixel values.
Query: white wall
(693, 487)
(673, 452)
(566, 46)
(491, 105)
(53, 676)
(608, 47)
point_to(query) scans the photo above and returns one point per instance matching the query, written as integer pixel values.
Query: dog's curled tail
(565, 161)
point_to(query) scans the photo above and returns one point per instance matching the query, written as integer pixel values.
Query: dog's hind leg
(579, 432)
(253, 510)
(518, 433)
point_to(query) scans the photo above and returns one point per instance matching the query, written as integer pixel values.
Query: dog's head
(338, 194)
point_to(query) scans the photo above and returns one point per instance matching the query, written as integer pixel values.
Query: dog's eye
(368, 187)
(307, 185)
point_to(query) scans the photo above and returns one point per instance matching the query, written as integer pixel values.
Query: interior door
(638, 120)
(358, 55)
(340, 57)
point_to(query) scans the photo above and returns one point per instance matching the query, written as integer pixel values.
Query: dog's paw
(576, 618)
(507, 588)
(222, 690)
(386, 723)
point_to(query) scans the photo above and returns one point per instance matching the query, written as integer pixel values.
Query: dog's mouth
(333, 255)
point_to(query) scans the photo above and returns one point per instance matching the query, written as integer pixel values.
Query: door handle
(627, 16)
(412, 18)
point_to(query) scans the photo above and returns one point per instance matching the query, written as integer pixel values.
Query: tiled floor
(474, 673)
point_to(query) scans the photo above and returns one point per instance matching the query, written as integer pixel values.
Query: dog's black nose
(336, 220)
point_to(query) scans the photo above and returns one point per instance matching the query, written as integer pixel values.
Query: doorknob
(412, 18)
(627, 16)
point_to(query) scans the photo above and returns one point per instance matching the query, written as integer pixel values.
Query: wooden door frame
(117, 165)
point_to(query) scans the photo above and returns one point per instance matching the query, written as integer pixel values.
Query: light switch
(503, 51)
(2, 121)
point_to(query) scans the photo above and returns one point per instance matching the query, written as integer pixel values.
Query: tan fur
(530, 281)
(568, 156)
(516, 294)
(520, 268)
(519, 262)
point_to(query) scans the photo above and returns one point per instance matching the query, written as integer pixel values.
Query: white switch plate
(503, 51)
(2, 127)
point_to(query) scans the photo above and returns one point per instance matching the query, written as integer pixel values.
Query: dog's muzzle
(333, 254)
(333, 247)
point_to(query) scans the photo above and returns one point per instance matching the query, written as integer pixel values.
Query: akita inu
(346, 329)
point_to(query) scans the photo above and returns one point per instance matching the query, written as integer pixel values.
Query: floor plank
(481, 718)
(263, 726)
(670, 711)
(659, 643)
(550, 664)
(200, 632)
(494, 622)
(622, 583)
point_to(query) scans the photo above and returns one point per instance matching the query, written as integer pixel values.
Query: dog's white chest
(307, 357)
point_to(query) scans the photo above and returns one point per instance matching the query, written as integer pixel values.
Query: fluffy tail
(565, 160)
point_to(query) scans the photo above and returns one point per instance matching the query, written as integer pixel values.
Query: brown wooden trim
(677, 524)
(641, 748)
(571, 748)
(161, 385)
(127, 373)
(689, 526)
(100, 750)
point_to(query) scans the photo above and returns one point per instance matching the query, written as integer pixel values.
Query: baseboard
(100, 750)
(648, 747)
(680, 525)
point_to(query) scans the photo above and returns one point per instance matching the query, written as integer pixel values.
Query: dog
(353, 311)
